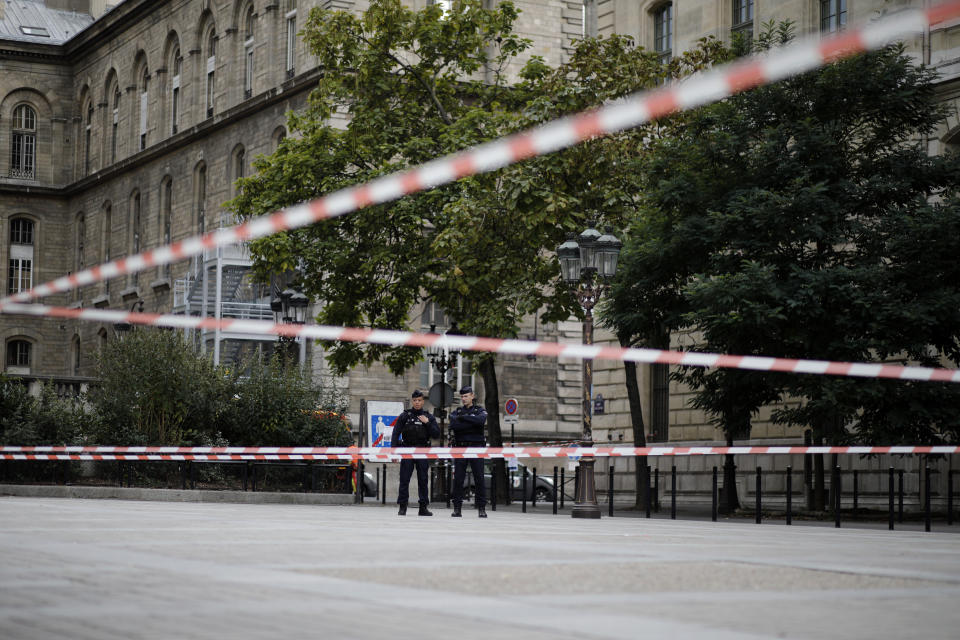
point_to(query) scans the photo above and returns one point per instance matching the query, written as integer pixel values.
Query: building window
(248, 54)
(76, 355)
(211, 69)
(659, 402)
(291, 38)
(166, 208)
(20, 264)
(23, 145)
(175, 100)
(79, 262)
(133, 279)
(663, 32)
(18, 356)
(116, 125)
(833, 15)
(200, 189)
(144, 105)
(107, 238)
(87, 139)
(743, 19)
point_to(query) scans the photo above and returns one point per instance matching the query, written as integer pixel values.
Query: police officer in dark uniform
(414, 428)
(467, 423)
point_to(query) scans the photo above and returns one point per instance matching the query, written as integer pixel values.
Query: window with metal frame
(833, 16)
(23, 143)
(663, 31)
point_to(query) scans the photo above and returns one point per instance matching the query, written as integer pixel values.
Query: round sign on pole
(511, 406)
(440, 394)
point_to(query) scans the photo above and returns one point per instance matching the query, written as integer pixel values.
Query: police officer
(467, 423)
(414, 428)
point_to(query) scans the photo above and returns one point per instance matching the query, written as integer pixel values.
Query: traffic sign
(511, 406)
(514, 419)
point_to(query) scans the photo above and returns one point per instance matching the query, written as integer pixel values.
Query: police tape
(503, 346)
(637, 109)
(386, 454)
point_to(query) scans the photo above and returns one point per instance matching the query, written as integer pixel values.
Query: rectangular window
(23, 155)
(291, 43)
(20, 277)
(211, 65)
(143, 120)
(113, 135)
(248, 72)
(663, 32)
(175, 107)
(743, 18)
(833, 15)
(21, 231)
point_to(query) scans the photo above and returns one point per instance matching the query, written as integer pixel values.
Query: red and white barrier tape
(630, 112)
(384, 454)
(497, 345)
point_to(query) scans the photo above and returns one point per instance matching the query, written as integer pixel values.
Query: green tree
(45, 419)
(795, 221)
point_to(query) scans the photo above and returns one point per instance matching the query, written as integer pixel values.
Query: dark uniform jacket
(467, 426)
(408, 431)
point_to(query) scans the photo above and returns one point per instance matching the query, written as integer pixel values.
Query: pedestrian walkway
(111, 569)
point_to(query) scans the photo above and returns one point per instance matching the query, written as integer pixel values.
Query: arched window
(175, 91)
(833, 15)
(278, 136)
(75, 354)
(239, 168)
(291, 18)
(663, 31)
(211, 68)
(249, 22)
(166, 212)
(143, 88)
(20, 274)
(79, 261)
(115, 124)
(87, 138)
(200, 197)
(23, 145)
(133, 279)
(107, 239)
(19, 355)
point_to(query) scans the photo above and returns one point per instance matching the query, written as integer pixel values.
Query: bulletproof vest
(414, 432)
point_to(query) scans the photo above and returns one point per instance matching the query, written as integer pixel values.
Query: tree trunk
(491, 402)
(639, 431)
(730, 500)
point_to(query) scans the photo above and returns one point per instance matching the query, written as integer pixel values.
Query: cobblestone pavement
(106, 569)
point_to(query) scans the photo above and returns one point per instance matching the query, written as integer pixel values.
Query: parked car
(543, 489)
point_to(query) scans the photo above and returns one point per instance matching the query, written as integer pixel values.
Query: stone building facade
(124, 127)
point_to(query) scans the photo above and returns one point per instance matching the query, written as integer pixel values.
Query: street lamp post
(587, 263)
(290, 308)
(442, 361)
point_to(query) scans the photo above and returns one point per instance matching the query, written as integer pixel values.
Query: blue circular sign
(511, 406)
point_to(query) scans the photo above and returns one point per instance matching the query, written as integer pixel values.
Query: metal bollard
(576, 483)
(243, 474)
(835, 487)
(533, 495)
(610, 490)
(493, 488)
(900, 498)
(555, 490)
(523, 489)
(656, 489)
(789, 494)
(448, 483)
(646, 488)
(383, 492)
(563, 485)
(673, 492)
(856, 491)
(713, 497)
(926, 499)
(950, 496)
(890, 495)
(758, 494)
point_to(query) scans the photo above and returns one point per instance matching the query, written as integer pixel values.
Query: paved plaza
(111, 569)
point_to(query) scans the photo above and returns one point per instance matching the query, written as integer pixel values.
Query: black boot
(403, 509)
(424, 511)
(481, 512)
(456, 511)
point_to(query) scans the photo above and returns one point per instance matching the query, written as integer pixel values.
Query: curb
(173, 495)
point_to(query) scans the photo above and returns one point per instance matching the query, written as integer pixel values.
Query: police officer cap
(464, 390)
(417, 394)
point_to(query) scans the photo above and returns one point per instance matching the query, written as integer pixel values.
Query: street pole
(585, 502)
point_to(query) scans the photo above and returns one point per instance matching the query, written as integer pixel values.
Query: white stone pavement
(110, 569)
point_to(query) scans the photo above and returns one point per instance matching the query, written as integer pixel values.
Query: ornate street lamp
(289, 308)
(587, 263)
(123, 327)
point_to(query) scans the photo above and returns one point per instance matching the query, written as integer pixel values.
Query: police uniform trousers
(406, 470)
(479, 483)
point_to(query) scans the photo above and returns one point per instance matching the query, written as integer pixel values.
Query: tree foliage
(805, 219)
